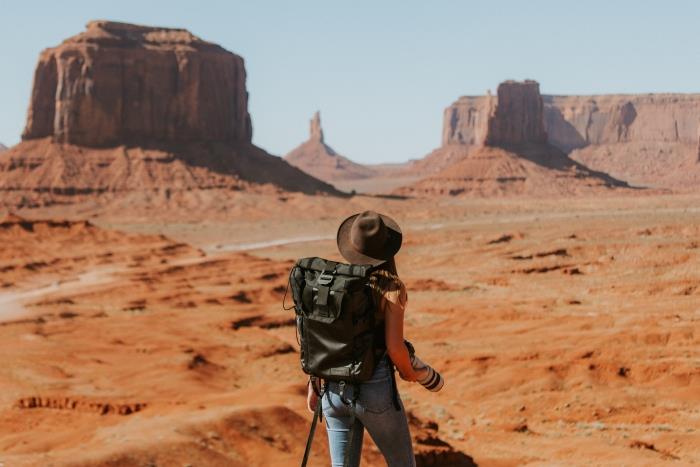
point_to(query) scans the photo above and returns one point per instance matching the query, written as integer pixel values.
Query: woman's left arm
(393, 334)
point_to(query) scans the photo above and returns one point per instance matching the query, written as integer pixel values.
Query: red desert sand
(566, 330)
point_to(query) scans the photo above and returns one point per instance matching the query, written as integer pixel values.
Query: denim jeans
(374, 410)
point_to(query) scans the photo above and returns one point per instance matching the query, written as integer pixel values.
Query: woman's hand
(311, 397)
(408, 374)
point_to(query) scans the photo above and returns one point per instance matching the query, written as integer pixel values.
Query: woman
(371, 238)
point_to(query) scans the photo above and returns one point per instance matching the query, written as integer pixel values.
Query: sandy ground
(566, 329)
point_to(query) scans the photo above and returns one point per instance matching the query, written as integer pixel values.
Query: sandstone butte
(121, 107)
(645, 139)
(500, 147)
(317, 158)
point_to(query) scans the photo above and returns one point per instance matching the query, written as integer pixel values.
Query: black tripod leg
(310, 439)
(348, 449)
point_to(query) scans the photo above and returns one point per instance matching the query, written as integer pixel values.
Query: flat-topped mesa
(315, 131)
(118, 83)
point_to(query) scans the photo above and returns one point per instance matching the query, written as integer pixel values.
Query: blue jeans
(374, 409)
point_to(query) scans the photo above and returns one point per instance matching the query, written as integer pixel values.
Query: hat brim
(350, 253)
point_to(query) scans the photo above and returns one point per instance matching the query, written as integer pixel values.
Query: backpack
(339, 337)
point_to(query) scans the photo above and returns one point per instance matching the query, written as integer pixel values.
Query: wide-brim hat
(369, 238)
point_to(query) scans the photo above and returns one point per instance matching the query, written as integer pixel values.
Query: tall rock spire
(316, 132)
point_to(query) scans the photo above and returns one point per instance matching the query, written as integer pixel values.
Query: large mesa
(126, 108)
(118, 83)
(646, 139)
(497, 146)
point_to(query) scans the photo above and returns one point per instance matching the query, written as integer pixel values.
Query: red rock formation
(514, 116)
(317, 158)
(517, 117)
(119, 83)
(577, 121)
(3, 147)
(498, 147)
(647, 139)
(315, 130)
(125, 108)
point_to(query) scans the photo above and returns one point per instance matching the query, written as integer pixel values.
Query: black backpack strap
(310, 439)
(395, 390)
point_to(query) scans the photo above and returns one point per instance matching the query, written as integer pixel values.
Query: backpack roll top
(335, 319)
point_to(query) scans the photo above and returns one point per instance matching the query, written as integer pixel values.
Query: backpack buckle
(324, 278)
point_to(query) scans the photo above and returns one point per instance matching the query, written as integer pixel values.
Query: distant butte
(124, 108)
(317, 158)
(645, 139)
(498, 146)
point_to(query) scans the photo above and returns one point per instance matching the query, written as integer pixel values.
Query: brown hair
(388, 266)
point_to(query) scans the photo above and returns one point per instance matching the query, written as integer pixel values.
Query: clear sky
(382, 71)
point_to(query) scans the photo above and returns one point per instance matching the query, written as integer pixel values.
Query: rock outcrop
(647, 139)
(317, 158)
(517, 117)
(514, 116)
(497, 146)
(120, 83)
(3, 148)
(122, 108)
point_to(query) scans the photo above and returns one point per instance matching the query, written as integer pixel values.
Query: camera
(427, 376)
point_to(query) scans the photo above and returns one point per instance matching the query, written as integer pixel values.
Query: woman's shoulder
(389, 286)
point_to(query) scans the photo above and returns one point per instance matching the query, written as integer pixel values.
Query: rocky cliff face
(513, 117)
(574, 122)
(119, 83)
(517, 117)
(317, 158)
(3, 147)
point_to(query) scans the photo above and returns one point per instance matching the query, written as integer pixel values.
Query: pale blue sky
(381, 72)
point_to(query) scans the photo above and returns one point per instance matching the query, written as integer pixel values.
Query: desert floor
(567, 330)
